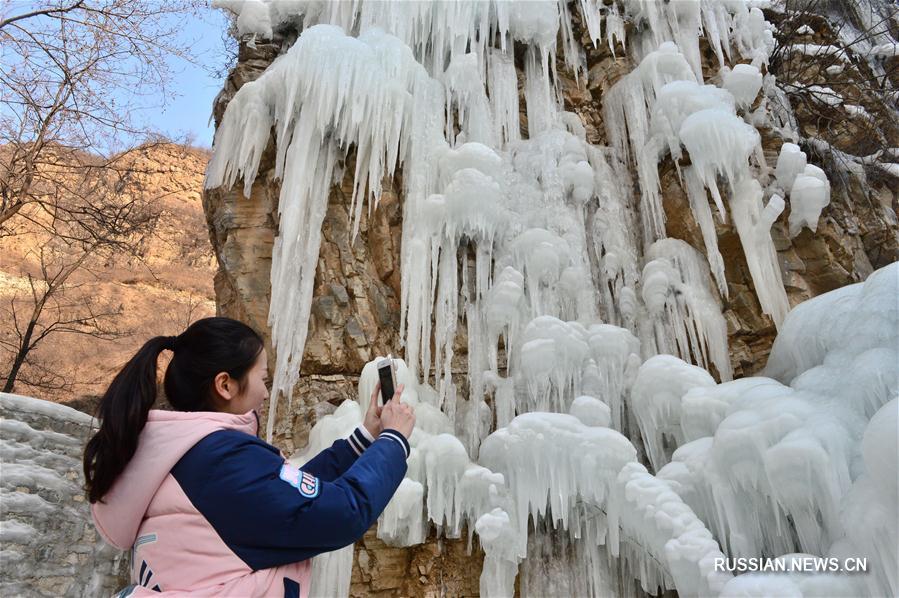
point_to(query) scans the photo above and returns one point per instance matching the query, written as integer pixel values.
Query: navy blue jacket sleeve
(270, 513)
(330, 464)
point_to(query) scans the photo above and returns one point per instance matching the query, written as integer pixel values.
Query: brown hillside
(159, 294)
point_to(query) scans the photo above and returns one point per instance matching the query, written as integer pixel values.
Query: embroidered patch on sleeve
(307, 484)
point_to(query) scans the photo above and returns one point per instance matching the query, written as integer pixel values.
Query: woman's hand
(372, 421)
(396, 415)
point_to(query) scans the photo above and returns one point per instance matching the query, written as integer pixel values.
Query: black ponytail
(207, 347)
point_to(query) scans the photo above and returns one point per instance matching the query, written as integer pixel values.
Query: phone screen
(385, 375)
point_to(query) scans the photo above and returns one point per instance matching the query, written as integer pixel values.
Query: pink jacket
(147, 512)
(209, 509)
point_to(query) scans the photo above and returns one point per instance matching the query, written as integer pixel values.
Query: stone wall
(49, 544)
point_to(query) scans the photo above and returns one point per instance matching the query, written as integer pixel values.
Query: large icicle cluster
(776, 470)
(645, 513)
(329, 91)
(663, 107)
(681, 308)
(586, 325)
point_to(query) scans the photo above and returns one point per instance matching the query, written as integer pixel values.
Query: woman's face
(255, 390)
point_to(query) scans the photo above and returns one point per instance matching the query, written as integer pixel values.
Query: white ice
(657, 402)
(772, 452)
(809, 195)
(790, 163)
(744, 82)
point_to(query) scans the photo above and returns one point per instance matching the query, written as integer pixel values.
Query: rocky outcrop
(49, 544)
(435, 568)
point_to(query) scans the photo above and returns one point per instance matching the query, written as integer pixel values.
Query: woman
(206, 507)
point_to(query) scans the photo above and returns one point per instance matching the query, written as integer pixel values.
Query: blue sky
(194, 85)
(187, 107)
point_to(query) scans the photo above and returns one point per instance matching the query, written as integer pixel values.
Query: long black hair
(207, 347)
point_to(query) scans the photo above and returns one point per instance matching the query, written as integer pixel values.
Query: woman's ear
(225, 386)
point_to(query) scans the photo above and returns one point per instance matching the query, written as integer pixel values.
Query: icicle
(743, 82)
(503, 85)
(466, 96)
(590, 9)
(809, 194)
(615, 352)
(331, 573)
(772, 210)
(539, 452)
(538, 93)
(700, 205)
(552, 354)
(615, 28)
(501, 557)
(675, 291)
(755, 237)
(402, 523)
(656, 398)
(719, 143)
(648, 513)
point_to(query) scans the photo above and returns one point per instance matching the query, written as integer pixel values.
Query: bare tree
(77, 74)
(829, 55)
(189, 315)
(56, 304)
(75, 78)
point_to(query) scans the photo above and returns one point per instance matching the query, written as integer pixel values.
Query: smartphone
(387, 376)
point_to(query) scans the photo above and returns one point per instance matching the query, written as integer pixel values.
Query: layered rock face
(50, 546)
(355, 309)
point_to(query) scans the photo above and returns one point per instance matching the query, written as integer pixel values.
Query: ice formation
(790, 163)
(809, 195)
(744, 83)
(783, 448)
(368, 105)
(656, 399)
(646, 509)
(662, 105)
(806, 184)
(586, 325)
(675, 289)
(331, 570)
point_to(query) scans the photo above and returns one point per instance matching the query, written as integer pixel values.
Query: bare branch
(41, 12)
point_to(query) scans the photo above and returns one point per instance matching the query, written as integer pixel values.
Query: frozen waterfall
(588, 327)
